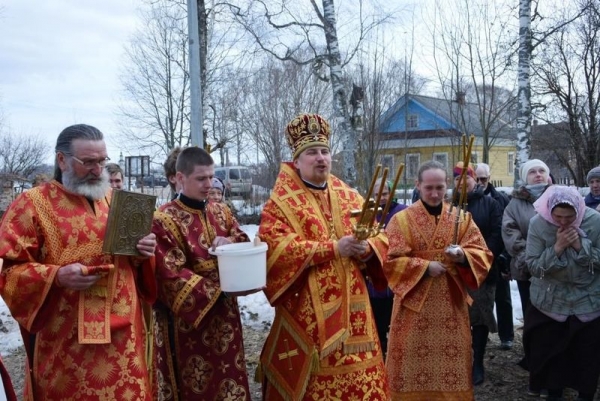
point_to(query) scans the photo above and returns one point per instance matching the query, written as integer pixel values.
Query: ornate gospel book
(129, 219)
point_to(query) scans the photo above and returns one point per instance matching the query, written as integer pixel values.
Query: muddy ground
(505, 380)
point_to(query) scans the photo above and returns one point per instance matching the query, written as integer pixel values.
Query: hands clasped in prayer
(349, 246)
(566, 237)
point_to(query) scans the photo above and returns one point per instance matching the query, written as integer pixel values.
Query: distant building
(420, 128)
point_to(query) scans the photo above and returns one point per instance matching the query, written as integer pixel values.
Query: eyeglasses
(90, 164)
(483, 179)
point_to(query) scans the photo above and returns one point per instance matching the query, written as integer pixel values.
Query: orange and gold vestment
(198, 347)
(429, 346)
(323, 343)
(81, 345)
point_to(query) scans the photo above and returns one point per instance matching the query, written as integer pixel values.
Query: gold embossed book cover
(129, 219)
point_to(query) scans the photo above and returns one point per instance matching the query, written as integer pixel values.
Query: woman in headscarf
(515, 221)
(562, 327)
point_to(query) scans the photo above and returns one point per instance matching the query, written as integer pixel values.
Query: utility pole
(196, 122)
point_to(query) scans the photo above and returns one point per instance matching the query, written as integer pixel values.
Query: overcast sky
(59, 63)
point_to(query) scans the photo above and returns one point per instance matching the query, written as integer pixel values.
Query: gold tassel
(315, 363)
(334, 345)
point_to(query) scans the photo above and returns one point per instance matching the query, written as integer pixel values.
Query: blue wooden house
(420, 128)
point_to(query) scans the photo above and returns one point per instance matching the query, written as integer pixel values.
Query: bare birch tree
(282, 29)
(529, 39)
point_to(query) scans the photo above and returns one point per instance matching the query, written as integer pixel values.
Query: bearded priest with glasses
(79, 310)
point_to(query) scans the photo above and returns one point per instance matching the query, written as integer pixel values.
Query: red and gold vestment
(429, 346)
(198, 347)
(323, 343)
(81, 345)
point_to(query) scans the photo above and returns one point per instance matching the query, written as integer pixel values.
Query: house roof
(442, 114)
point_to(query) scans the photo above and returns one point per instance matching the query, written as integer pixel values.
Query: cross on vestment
(288, 354)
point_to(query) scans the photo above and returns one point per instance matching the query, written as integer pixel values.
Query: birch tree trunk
(524, 92)
(340, 97)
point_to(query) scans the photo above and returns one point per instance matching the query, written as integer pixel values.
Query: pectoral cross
(288, 354)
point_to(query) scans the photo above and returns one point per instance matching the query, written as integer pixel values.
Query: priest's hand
(146, 246)
(435, 268)
(218, 241)
(72, 277)
(456, 254)
(349, 246)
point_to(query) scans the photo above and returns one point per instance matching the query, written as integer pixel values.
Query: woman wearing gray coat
(515, 222)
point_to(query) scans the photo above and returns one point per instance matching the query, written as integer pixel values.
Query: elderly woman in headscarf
(562, 327)
(515, 222)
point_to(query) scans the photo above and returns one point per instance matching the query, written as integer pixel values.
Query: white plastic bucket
(242, 266)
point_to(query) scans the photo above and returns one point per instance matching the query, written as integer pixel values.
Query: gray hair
(485, 167)
(430, 165)
(64, 142)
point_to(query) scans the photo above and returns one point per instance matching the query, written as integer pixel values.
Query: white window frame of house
(510, 163)
(412, 174)
(412, 121)
(441, 155)
(387, 161)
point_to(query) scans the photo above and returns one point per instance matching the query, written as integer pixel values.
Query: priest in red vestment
(429, 348)
(198, 347)
(80, 311)
(323, 344)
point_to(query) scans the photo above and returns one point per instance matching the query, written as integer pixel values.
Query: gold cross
(288, 354)
(293, 195)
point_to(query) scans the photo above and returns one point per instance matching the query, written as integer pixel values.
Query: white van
(237, 180)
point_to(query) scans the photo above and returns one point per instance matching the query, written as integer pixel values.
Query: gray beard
(82, 187)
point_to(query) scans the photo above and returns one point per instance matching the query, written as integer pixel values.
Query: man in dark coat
(487, 215)
(504, 311)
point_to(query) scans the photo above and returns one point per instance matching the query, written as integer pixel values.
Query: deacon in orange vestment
(198, 348)
(80, 310)
(429, 349)
(323, 344)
